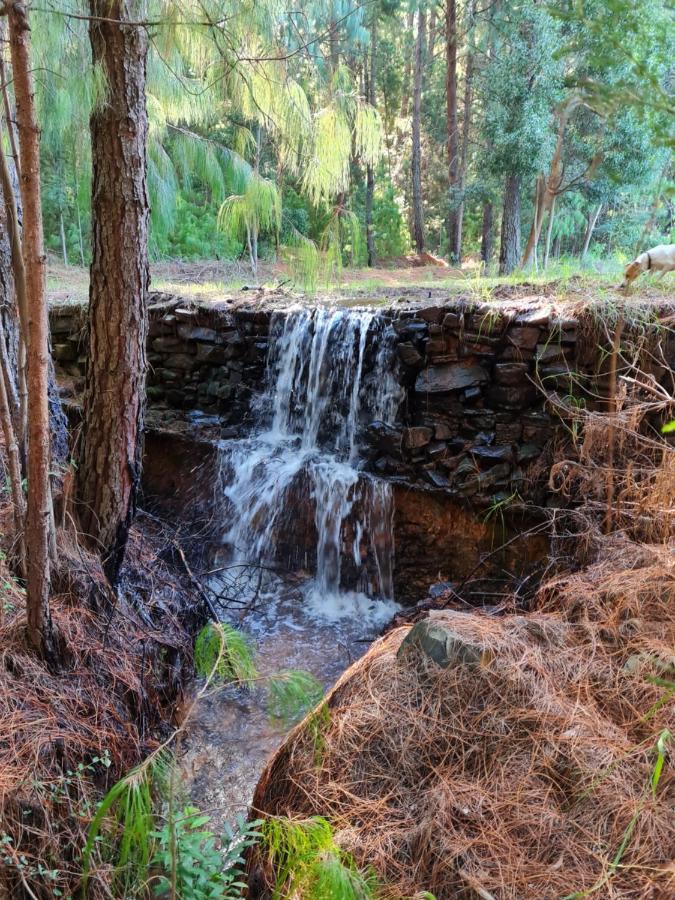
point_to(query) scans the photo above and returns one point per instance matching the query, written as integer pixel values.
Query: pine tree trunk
(111, 449)
(370, 170)
(464, 157)
(39, 519)
(454, 237)
(416, 163)
(509, 252)
(487, 235)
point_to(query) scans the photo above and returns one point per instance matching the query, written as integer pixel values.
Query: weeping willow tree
(218, 76)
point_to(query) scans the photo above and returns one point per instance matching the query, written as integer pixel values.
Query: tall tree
(39, 519)
(454, 219)
(416, 161)
(111, 449)
(370, 70)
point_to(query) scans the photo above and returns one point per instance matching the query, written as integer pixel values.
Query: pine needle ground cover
(534, 766)
(67, 737)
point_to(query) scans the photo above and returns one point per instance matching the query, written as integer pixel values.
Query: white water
(320, 390)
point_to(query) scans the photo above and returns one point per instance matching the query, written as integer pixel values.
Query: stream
(305, 562)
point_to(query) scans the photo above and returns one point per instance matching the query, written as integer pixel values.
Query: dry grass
(515, 779)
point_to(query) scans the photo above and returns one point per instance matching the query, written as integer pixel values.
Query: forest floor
(213, 279)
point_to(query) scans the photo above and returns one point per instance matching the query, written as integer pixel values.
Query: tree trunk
(416, 163)
(590, 228)
(9, 401)
(454, 239)
(551, 185)
(407, 70)
(64, 248)
(110, 458)
(463, 157)
(549, 231)
(39, 520)
(509, 252)
(487, 236)
(370, 169)
(11, 223)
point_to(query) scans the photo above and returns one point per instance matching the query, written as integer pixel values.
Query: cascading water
(323, 383)
(298, 500)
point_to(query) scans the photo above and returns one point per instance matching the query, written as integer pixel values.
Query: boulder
(437, 641)
(447, 378)
(409, 354)
(413, 438)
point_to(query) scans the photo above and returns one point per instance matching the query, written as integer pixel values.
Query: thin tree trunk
(464, 156)
(509, 252)
(549, 231)
(40, 516)
(63, 240)
(9, 119)
(13, 457)
(20, 289)
(370, 71)
(431, 46)
(109, 470)
(487, 235)
(590, 228)
(454, 240)
(407, 69)
(416, 163)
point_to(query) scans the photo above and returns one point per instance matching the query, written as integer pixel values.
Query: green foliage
(308, 863)
(127, 812)
(291, 694)
(225, 653)
(193, 865)
(391, 235)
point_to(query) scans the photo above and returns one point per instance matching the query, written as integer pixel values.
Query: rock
(414, 438)
(549, 353)
(452, 321)
(436, 478)
(443, 431)
(538, 316)
(527, 452)
(511, 373)
(437, 450)
(197, 333)
(409, 355)
(431, 313)
(437, 641)
(512, 397)
(447, 378)
(411, 328)
(386, 438)
(180, 361)
(207, 353)
(493, 454)
(166, 344)
(508, 432)
(524, 337)
(65, 352)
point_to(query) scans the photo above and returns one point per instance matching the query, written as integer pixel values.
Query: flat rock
(447, 378)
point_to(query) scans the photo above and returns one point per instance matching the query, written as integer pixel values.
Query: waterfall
(324, 381)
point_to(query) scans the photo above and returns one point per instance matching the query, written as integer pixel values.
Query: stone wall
(474, 423)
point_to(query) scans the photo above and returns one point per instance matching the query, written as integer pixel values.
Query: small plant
(291, 694)
(194, 865)
(309, 864)
(224, 653)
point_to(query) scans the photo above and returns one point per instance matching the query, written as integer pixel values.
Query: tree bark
(20, 307)
(39, 520)
(454, 238)
(464, 156)
(549, 231)
(416, 163)
(509, 252)
(487, 236)
(370, 69)
(111, 448)
(551, 184)
(590, 228)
